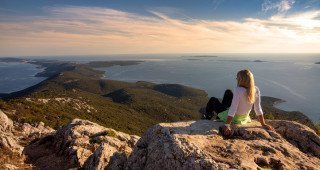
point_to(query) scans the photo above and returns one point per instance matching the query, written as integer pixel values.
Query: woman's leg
(213, 105)
(227, 98)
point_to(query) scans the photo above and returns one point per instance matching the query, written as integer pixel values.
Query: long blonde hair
(245, 79)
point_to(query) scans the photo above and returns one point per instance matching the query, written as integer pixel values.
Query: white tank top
(240, 104)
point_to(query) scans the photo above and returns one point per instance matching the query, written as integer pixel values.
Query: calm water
(293, 78)
(18, 76)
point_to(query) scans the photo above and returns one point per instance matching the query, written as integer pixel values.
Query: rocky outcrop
(13, 138)
(7, 140)
(198, 145)
(299, 135)
(82, 144)
(6, 124)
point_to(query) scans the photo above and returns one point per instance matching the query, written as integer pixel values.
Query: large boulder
(14, 137)
(10, 143)
(299, 135)
(198, 145)
(6, 124)
(82, 144)
(7, 140)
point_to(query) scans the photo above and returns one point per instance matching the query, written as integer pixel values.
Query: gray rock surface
(299, 135)
(82, 144)
(13, 137)
(6, 124)
(197, 145)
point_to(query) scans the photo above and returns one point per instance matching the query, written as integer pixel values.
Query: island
(256, 61)
(98, 64)
(192, 59)
(259, 61)
(199, 56)
(317, 62)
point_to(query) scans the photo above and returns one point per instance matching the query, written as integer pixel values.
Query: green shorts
(237, 119)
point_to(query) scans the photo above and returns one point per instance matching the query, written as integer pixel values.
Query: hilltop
(82, 144)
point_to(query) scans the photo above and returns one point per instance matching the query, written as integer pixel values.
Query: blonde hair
(245, 79)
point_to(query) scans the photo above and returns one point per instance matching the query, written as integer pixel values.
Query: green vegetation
(110, 133)
(318, 128)
(177, 90)
(79, 92)
(120, 96)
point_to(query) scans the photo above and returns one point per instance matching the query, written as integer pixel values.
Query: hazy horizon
(159, 54)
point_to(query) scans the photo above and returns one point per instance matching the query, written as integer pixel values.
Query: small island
(201, 56)
(192, 59)
(259, 61)
(256, 61)
(317, 62)
(99, 64)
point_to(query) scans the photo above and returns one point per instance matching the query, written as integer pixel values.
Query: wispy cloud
(215, 4)
(280, 6)
(92, 30)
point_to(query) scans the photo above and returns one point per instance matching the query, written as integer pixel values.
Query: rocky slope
(181, 145)
(79, 144)
(82, 144)
(13, 138)
(198, 145)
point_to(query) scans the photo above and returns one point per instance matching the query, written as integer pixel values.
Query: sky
(102, 27)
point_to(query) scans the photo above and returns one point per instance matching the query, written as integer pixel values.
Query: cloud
(281, 6)
(215, 4)
(73, 30)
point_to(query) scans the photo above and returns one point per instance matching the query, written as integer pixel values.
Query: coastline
(55, 70)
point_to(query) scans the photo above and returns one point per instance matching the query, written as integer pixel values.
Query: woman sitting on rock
(235, 107)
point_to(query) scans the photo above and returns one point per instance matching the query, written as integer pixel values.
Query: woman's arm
(227, 128)
(259, 112)
(263, 123)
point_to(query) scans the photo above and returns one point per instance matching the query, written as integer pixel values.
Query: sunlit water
(18, 76)
(293, 78)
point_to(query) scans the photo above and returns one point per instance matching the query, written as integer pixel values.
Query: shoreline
(53, 69)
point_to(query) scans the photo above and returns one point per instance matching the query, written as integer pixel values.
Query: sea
(18, 76)
(294, 78)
